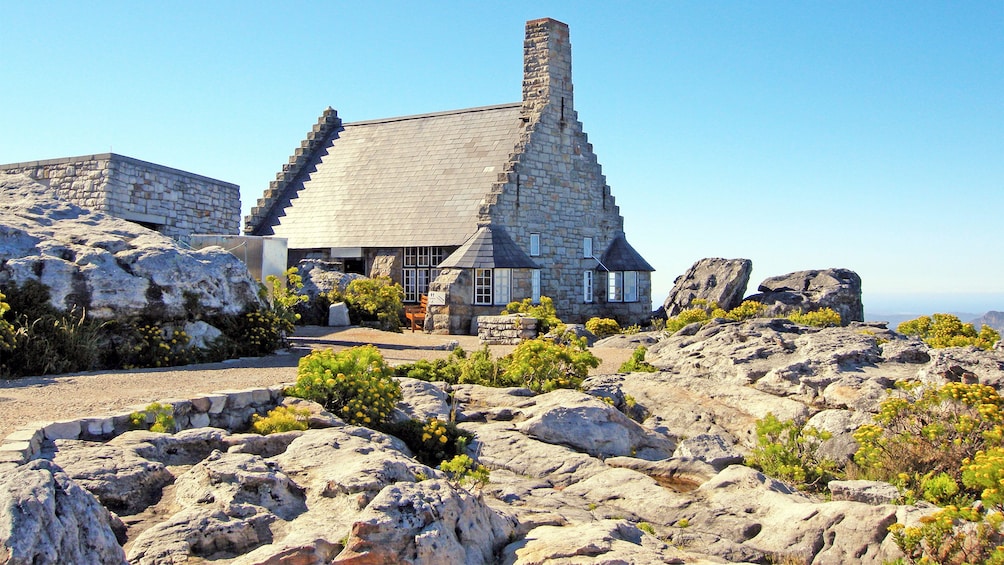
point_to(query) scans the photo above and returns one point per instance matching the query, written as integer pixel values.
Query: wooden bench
(416, 314)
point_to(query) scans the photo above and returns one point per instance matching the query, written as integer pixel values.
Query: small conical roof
(489, 248)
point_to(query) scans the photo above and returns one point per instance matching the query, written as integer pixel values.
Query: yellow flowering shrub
(6, 328)
(822, 318)
(946, 330)
(603, 327)
(354, 384)
(280, 419)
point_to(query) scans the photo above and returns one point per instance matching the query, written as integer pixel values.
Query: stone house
(475, 207)
(173, 202)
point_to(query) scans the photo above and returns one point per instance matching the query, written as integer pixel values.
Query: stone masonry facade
(173, 202)
(554, 186)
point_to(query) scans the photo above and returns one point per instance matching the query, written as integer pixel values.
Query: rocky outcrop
(573, 478)
(107, 266)
(722, 281)
(321, 277)
(839, 289)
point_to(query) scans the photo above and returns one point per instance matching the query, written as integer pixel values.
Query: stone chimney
(547, 69)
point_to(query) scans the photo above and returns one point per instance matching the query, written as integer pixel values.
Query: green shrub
(924, 432)
(545, 313)
(281, 419)
(283, 299)
(647, 528)
(789, 451)
(637, 363)
(464, 471)
(41, 340)
(822, 318)
(354, 383)
(6, 328)
(542, 365)
(445, 370)
(603, 327)
(156, 417)
(431, 441)
(480, 368)
(946, 330)
(153, 346)
(375, 302)
(685, 318)
(748, 310)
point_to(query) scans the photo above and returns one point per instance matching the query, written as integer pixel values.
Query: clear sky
(864, 135)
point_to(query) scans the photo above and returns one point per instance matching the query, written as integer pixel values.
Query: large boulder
(46, 518)
(321, 277)
(108, 266)
(839, 289)
(722, 281)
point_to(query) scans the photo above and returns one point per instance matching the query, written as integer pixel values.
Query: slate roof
(489, 248)
(620, 256)
(409, 181)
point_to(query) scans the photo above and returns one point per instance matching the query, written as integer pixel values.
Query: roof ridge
(317, 136)
(435, 114)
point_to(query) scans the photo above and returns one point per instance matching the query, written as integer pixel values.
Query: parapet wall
(174, 202)
(231, 410)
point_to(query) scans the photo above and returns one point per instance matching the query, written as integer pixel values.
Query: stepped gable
(326, 126)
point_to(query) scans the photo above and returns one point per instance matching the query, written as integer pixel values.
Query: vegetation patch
(281, 419)
(946, 330)
(637, 362)
(789, 451)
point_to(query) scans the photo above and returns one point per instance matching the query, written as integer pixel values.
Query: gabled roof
(620, 256)
(409, 181)
(489, 248)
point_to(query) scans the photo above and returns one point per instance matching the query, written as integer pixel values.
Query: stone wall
(175, 203)
(555, 186)
(506, 330)
(231, 410)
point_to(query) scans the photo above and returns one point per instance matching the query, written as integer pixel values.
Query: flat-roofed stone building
(173, 202)
(475, 207)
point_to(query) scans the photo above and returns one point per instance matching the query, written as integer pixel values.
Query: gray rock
(47, 519)
(712, 449)
(869, 492)
(421, 400)
(605, 541)
(722, 281)
(206, 531)
(108, 266)
(338, 315)
(321, 277)
(430, 523)
(839, 289)
(632, 341)
(122, 480)
(585, 423)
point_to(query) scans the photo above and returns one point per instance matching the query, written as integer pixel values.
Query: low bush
(748, 310)
(603, 327)
(480, 368)
(544, 312)
(822, 318)
(685, 318)
(281, 419)
(283, 299)
(354, 384)
(431, 441)
(444, 370)
(542, 365)
(156, 417)
(375, 302)
(946, 330)
(6, 328)
(465, 472)
(923, 435)
(637, 362)
(149, 345)
(789, 451)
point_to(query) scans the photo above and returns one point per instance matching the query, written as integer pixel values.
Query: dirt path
(53, 397)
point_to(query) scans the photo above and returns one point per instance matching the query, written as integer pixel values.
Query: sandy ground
(59, 397)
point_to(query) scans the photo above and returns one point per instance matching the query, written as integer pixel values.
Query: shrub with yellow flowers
(947, 330)
(822, 318)
(431, 441)
(354, 384)
(151, 345)
(944, 445)
(281, 419)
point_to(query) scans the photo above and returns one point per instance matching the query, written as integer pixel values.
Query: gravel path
(59, 397)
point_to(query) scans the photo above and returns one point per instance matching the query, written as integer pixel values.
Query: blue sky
(800, 135)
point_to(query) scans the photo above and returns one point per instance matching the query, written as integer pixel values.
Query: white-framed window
(615, 286)
(535, 286)
(622, 286)
(630, 286)
(587, 247)
(420, 270)
(502, 285)
(534, 245)
(587, 286)
(482, 286)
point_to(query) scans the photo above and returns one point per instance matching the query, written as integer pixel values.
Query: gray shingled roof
(416, 180)
(489, 248)
(620, 256)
